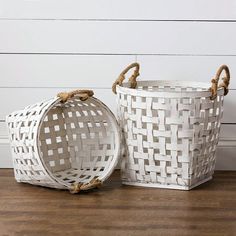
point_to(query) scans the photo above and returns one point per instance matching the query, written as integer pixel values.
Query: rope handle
(94, 183)
(132, 79)
(224, 84)
(82, 94)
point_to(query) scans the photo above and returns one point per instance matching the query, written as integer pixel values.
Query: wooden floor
(209, 209)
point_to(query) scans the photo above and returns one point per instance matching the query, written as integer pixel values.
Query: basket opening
(171, 86)
(78, 141)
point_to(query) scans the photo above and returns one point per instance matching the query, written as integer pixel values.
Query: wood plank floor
(209, 209)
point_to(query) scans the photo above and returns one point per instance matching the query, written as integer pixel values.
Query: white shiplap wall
(56, 45)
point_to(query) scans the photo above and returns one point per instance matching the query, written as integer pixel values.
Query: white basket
(171, 129)
(68, 142)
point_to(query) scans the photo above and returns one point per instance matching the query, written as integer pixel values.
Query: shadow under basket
(66, 145)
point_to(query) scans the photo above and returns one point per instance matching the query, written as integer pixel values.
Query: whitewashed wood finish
(61, 71)
(3, 130)
(99, 71)
(118, 37)
(5, 159)
(171, 131)
(228, 133)
(52, 34)
(226, 158)
(193, 68)
(18, 98)
(58, 145)
(112, 9)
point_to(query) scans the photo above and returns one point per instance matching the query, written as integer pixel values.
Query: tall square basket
(171, 129)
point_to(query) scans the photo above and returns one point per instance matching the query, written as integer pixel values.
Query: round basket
(171, 129)
(68, 142)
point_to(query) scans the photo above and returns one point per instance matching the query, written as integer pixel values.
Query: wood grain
(210, 209)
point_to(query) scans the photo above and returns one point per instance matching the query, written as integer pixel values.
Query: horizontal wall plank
(3, 130)
(101, 71)
(184, 68)
(61, 71)
(228, 132)
(118, 37)
(226, 158)
(5, 157)
(16, 99)
(112, 9)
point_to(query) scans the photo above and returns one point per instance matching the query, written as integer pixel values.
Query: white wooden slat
(3, 130)
(113, 9)
(118, 37)
(17, 99)
(202, 68)
(228, 132)
(226, 158)
(5, 158)
(101, 71)
(61, 71)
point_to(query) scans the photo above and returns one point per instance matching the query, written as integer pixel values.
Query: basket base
(169, 186)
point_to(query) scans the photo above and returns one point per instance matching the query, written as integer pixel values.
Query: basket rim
(116, 155)
(125, 89)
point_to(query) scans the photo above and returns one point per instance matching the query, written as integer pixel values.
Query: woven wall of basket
(68, 142)
(171, 129)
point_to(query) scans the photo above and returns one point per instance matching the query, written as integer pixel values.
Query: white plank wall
(101, 70)
(57, 45)
(119, 10)
(118, 37)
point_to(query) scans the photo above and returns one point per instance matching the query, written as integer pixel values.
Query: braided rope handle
(132, 79)
(94, 183)
(82, 94)
(224, 84)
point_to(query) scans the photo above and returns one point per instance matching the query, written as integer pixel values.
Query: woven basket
(68, 142)
(171, 129)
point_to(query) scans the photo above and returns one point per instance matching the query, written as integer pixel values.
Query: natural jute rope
(94, 183)
(132, 79)
(224, 84)
(82, 94)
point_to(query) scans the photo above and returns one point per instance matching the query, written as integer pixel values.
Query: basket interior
(170, 86)
(78, 140)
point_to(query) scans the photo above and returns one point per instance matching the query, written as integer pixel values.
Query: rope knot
(77, 187)
(82, 94)
(213, 81)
